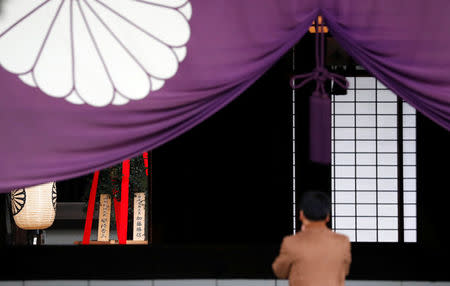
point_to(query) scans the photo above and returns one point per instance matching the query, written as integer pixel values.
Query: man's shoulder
(289, 239)
(296, 237)
(341, 237)
(300, 235)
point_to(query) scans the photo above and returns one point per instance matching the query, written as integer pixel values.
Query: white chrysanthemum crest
(98, 52)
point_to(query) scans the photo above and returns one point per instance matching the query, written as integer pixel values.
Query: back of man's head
(315, 205)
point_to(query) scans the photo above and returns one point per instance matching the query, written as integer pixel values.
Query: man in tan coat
(315, 256)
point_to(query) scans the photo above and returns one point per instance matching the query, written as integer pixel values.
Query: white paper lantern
(34, 207)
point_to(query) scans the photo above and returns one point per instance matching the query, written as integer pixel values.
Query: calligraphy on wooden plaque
(139, 216)
(104, 217)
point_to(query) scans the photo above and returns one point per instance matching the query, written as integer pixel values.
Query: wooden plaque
(104, 217)
(139, 216)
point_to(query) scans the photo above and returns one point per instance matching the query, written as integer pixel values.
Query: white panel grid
(409, 174)
(294, 206)
(365, 158)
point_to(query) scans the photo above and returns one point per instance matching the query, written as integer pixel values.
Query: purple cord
(320, 74)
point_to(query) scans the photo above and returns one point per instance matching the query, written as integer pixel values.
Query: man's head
(315, 206)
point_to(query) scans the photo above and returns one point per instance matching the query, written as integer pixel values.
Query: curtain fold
(87, 84)
(49, 134)
(402, 43)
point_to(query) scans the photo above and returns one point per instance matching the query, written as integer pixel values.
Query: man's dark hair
(315, 205)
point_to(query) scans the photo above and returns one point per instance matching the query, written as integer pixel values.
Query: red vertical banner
(123, 217)
(90, 210)
(145, 155)
(116, 191)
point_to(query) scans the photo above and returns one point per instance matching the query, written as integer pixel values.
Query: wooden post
(139, 216)
(104, 217)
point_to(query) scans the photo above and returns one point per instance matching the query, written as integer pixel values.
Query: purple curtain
(86, 84)
(402, 43)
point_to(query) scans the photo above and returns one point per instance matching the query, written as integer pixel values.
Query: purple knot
(321, 74)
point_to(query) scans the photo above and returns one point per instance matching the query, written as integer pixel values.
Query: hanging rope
(320, 74)
(319, 102)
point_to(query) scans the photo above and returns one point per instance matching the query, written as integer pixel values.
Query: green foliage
(110, 180)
